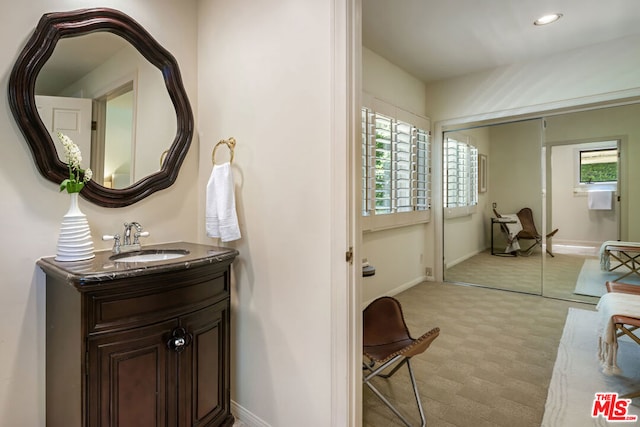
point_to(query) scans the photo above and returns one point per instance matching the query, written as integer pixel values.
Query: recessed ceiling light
(547, 19)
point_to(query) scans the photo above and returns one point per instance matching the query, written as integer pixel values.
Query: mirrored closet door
(504, 162)
(573, 170)
(591, 196)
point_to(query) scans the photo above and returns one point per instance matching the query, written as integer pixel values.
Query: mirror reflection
(573, 171)
(477, 249)
(101, 92)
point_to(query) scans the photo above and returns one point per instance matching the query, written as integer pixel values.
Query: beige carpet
(554, 277)
(491, 365)
(577, 376)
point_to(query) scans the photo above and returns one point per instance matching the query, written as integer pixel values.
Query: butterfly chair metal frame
(387, 343)
(529, 231)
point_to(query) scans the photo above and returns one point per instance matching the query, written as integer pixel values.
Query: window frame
(594, 150)
(597, 144)
(380, 221)
(469, 176)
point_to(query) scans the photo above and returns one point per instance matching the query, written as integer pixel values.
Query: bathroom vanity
(139, 342)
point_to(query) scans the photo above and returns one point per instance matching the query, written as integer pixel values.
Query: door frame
(620, 143)
(346, 327)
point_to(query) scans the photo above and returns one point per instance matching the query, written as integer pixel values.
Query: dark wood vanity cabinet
(139, 350)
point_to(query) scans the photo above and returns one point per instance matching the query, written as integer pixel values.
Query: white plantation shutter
(395, 165)
(460, 174)
(403, 167)
(420, 178)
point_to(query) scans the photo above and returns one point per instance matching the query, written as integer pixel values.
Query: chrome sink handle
(138, 234)
(116, 242)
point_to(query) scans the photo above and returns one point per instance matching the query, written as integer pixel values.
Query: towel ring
(231, 143)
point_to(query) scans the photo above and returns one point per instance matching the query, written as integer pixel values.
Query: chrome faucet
(127, 232)
(127, 245)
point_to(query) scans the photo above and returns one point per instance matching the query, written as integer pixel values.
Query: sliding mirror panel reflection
(490, 172)
(591, 197)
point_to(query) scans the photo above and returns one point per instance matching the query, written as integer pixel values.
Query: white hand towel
(220, 210)
(600, 200)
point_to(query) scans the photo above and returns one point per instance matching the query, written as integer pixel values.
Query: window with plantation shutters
(395, 169)
(460, 169)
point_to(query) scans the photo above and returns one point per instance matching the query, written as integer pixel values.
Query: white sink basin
(149, 255)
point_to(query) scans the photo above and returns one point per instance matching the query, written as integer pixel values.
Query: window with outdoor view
(395, 165)
(599, 165)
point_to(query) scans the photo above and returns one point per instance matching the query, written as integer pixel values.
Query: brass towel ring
(231, 143)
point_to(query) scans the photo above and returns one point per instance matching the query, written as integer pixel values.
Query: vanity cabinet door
(203, 376)
(131, 378)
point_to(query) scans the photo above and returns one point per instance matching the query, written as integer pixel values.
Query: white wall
(31, 207)
(398, 254)
(265, 79)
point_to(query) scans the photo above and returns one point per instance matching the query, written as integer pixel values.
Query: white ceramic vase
(74, 242)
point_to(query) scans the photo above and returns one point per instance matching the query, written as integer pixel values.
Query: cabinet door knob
(179, 340)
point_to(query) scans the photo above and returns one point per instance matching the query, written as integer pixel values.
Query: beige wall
(514, 161)
(265, 79)
(263, 74)
(398, 254)
(31, 207)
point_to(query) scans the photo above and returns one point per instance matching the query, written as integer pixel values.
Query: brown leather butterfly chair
(529, 231)
(387, 342)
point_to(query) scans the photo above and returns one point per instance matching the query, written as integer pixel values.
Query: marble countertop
(102, 268)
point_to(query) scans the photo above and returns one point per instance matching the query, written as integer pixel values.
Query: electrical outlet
(428, 271)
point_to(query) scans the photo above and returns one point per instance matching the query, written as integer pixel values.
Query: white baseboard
(246, 417)
(401, 288)
(562, 242)
(464, 258)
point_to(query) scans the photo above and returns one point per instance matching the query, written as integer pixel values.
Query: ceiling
(439, 39)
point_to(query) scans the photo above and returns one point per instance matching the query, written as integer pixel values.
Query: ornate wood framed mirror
(50, 31)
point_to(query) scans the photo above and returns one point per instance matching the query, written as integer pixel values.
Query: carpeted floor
(554, 277)
(491, 364)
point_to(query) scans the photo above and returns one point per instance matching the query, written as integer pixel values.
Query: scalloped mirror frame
(51, 28)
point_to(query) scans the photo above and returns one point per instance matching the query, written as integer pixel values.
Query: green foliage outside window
(599, 165)
(598, 172)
